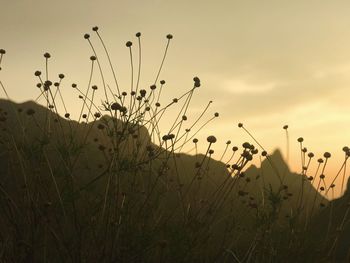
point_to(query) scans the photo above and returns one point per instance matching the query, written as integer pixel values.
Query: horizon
(265, 65)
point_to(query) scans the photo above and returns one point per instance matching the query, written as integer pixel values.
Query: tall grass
(113, 187)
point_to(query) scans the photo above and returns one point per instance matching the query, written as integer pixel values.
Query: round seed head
(95, 28)
(143, 93)
(169, 36)
(195, 140)
(246, 145)
(285, 127)
(162, 82)
(47, 55)
(138, 34)
(240, 125)
(61, 76)
(2, 51)
(37, 73)
(211, 139)
(300, 139)
(326, 155)
(86, 36)
(128, 44)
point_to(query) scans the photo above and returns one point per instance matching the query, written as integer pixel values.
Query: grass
(113, 187)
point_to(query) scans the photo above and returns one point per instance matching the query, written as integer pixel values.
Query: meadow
(111, 186)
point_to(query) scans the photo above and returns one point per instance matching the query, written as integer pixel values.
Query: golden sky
(263, 63)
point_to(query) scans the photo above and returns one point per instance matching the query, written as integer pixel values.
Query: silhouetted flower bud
(211, 139)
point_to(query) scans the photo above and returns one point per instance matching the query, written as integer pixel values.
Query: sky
(262, 63)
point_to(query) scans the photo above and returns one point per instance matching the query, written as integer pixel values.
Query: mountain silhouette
(38, 147)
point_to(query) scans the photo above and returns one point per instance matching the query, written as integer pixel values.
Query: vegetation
(113, 187)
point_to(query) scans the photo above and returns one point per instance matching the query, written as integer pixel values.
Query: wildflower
(184, 118)
(157, 104)
(128, 44)
(285, 127)
(95, 28)
(124, 93)
(138, 34)
(240, 125)
(84, 116)
(67, 115)
(310, 155)
(86, 36)
(47, 55)
(143, 93)
(326, 155)
(37, 73)
(211, 151)
(169, 36)
(216, 114)
(197, 82)
(195, 140)
(97, 115)
(61, 76)
(234, 148)
(175, 100)
(47, 84)
(74, 85)
(300, 139)
(246, 145)
(228, 142)
(93, 58)
(2, 51)
(94, 87)
(211, 139)
(264, 153)
(153, 87)
(162, 82)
